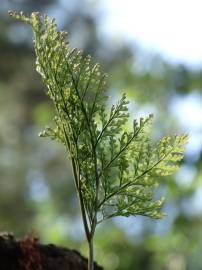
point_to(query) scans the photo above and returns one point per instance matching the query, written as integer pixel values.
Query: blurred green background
(36, 186)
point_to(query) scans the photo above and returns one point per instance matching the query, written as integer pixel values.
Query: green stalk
(91, 255)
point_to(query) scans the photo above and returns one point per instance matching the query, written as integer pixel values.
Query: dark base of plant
(28, 254)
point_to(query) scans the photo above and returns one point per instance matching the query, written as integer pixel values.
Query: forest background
(36, 186)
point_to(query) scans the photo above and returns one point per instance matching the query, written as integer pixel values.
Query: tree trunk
(28, 254)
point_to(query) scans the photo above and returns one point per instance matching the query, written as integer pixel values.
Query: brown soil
(29, 254)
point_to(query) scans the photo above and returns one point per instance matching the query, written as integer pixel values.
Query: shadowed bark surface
(28, 254)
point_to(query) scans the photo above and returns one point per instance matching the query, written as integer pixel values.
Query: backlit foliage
(115, 170)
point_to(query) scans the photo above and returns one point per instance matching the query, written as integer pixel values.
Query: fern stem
(91, 255)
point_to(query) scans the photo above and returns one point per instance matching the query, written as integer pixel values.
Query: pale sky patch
(172, 28)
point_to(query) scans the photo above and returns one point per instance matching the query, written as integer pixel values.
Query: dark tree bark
(28, 254)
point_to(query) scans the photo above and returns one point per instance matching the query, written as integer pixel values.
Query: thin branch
(111, 118)
(132, 182)
(119, 153)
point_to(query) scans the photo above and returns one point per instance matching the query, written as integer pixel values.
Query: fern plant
(115, 170)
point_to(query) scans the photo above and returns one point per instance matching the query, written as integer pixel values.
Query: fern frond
(115, 170)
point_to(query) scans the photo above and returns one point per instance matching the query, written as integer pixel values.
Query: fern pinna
(115, 170)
